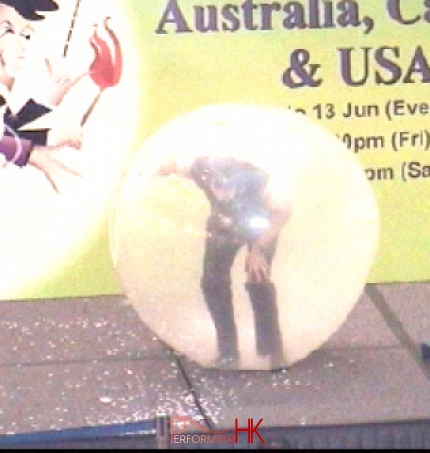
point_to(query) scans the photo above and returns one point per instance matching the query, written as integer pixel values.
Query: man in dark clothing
(242, 214)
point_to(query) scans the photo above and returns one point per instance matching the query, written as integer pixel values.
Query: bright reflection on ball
(322, 256)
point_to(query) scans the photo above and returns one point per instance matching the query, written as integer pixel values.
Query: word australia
(267, 16)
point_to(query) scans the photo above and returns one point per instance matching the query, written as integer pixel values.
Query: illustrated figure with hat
(19, 146)
(243, 213)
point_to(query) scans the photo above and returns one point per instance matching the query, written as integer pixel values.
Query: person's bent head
(223, 176)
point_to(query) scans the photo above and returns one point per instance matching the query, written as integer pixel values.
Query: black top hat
(30, 9)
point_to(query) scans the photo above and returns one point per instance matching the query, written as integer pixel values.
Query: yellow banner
(361, 68)
(109, 74)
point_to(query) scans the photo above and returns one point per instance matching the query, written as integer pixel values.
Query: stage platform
(88, 373)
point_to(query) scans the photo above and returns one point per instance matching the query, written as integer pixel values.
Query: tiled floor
(91, 362)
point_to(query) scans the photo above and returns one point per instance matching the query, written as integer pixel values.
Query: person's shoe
(276, 361)
(226, 362)
(277, 366)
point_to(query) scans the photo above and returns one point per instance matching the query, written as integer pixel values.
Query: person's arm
(171, 167)
(22, 152)
(57, 85)
(44, 159)
(15, 150)
(167, 169)
(257, 267)
(45, 118)
(278, 219)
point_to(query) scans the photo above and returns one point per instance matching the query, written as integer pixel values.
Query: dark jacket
(15, 145)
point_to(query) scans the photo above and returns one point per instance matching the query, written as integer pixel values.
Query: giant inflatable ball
(244, 235)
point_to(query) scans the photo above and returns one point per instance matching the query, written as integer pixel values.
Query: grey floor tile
(75, 329)
(360, 385)
(411, 304)
(79, 395)
(365, 326)
(91, 362)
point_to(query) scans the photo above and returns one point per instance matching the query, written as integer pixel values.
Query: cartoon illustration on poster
(63, 83)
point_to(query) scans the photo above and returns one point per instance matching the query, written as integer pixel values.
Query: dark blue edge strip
(406, 434)
(99, 432)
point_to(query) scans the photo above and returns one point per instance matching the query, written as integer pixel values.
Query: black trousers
(220, 252)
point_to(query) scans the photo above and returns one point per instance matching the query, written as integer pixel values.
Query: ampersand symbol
(297, 76)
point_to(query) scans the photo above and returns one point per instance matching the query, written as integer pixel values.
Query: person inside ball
(243, 213)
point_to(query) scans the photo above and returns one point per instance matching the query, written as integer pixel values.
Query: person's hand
(257, 266)
(47, 160)
(68, 134)
(57, 84)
